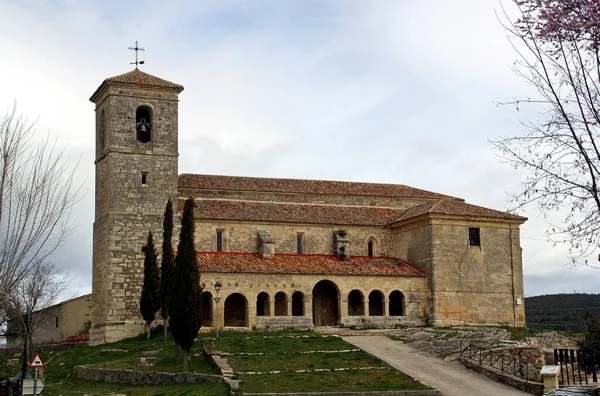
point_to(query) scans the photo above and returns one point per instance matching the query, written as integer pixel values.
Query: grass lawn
(288, 359)
(120, 355)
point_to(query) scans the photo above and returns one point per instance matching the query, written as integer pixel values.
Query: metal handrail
(495, 360)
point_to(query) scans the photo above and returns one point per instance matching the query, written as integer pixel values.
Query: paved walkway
(451, 378)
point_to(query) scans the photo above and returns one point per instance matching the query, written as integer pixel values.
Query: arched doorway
(207, 300)
(356, 305)
(376, 303)
(397, 303)
(236, 308)
(326, 304)
(297, 304)
(262, 304)
(280, 304)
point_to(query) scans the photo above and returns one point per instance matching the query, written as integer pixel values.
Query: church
(287, 253)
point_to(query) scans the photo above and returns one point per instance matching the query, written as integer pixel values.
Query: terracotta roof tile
(240, 183)
(457, 208)
(309, 264)
(215, 209)
(138, 77)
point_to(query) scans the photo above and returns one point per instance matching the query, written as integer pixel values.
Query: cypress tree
(166, 268)
(185, 303)
(150, 301)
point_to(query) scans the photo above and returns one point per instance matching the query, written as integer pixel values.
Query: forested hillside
(561, 311)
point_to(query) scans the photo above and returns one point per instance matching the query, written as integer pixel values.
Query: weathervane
(136, 49)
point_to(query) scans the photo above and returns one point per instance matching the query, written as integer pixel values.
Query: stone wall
(127, 207)
(140, 377)
(250, 285)
(318, 239)
(476, 284)
(533, 388)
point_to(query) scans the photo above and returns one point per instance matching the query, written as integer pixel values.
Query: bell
(142, 127)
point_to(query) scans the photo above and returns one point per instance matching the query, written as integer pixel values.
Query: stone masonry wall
(126, 208)
(250, 285)
(477, 284)
(318, 239)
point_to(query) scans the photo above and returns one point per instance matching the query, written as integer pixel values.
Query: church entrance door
(326, 304)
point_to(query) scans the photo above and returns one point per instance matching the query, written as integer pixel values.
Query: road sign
(36, 361)
(28, 385)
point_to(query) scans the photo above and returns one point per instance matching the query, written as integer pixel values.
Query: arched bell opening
(143, 124)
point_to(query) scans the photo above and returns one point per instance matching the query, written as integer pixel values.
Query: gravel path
(451, 378)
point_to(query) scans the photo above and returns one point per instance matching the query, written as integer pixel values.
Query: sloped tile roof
(138, 77)
(216, 209)
(457, 208)
(304, 264)
(240, 183)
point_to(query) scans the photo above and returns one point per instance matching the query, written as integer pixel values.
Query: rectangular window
(57, 321)
(474, 237)
(144, 178)
(219, 240)
(300, 243)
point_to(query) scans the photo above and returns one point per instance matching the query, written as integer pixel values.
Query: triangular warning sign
(36, 361)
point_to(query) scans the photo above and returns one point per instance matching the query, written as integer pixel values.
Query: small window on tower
(143, 124)
(370, 248)
(144, 178)
(300, 243)
(56, 322)
(219, 240)
(474, 237)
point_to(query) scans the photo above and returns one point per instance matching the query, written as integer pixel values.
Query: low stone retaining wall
(534, 388)
(381, 322)
(376, 393)
(280, 323)
(141, 377)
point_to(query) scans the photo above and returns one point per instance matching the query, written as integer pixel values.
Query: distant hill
(561, 311)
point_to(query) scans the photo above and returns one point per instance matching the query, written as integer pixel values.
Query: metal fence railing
(499, 361)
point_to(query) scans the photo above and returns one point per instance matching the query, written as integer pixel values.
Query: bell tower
(136, 172)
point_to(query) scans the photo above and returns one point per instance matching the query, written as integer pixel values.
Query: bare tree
(28, 301)
(557, 44)
(36, 197)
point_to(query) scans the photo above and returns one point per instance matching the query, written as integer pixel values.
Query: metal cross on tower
(137, 49)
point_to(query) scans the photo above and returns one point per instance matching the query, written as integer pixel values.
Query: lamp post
(217, 300)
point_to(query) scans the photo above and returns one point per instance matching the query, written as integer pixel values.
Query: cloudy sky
(400, 91)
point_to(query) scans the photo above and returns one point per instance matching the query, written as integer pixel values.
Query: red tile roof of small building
(217, 209)
(263, 184)
(456, 208)
(304, 264)
(138, 77)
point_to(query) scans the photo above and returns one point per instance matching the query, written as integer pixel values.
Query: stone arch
(207, 310)
(263, 304)
(397, 304)
(326, 310)
(372, 246)
(297, 304)
(356, 303)
(236, 311)
(143, 124)
(376, 303)
(280, 304)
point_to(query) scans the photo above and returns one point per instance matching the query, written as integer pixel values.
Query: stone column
(308, 306)
(289, 306)
(271, 306)
(386, 307)
(343, 307)
(366, 302)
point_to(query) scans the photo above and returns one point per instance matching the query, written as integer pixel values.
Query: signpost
(36, 363)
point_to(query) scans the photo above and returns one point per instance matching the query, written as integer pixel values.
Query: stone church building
(289, 254)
